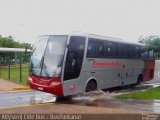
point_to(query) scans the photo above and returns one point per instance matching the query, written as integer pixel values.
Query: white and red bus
(65, 65)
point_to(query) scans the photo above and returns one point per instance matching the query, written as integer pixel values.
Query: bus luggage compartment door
(148, 73)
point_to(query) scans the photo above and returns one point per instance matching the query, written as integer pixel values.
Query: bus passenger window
(95, 48)
(110, 49)
(122, 50)
(134, 51)
(137, 50)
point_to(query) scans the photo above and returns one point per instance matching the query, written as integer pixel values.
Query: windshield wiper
(41, 64)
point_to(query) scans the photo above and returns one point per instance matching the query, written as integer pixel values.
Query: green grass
(152, 93)
(15, 73)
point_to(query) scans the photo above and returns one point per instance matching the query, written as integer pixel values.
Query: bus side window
(122, 50)
(95, 48)
(130, 51)
(99, 49)
(134, 51)
(74, 57)
(137, 50)
(91, 49)
(110, 49)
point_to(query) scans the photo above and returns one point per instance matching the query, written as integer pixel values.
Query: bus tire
(91, 86)
(62, 98)
(140, 79)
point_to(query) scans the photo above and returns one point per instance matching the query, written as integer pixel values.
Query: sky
(124, 19)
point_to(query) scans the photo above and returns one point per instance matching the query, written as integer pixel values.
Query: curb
(21, 88)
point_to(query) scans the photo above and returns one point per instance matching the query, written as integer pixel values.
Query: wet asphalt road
(22, 98)
(97, 98)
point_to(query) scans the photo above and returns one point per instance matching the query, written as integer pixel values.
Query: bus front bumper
(56, 90)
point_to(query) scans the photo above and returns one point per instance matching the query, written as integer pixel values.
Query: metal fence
(14, 67)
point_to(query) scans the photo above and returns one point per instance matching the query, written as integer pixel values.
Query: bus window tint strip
(107, 49)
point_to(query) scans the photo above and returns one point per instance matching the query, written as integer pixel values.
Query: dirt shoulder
(53, 108)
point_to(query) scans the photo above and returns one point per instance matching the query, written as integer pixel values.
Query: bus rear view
(46, 64)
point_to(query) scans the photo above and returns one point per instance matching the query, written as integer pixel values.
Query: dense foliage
(11, 43)
(151, 43)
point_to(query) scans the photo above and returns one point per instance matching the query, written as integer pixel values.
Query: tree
(9, 42)
(151, 43)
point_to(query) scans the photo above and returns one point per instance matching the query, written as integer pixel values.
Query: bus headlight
(55, 83)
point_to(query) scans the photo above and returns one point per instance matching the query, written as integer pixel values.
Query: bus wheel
(91, 86)
(58, 99)
(139, 80)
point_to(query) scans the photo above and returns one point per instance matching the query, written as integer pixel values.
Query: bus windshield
(47, 57)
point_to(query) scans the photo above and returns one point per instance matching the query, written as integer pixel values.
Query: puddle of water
(152, 84)
(98, 98)
(156, 85)
(40, 100)
(43, 98)
(87, 99)
(103, 99)
(156, 106)
(99, 94)
(141, 87)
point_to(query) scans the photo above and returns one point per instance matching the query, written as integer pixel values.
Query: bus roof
(106, 38)
(112, 39)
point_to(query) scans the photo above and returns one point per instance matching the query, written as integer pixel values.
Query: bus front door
(72, 71)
